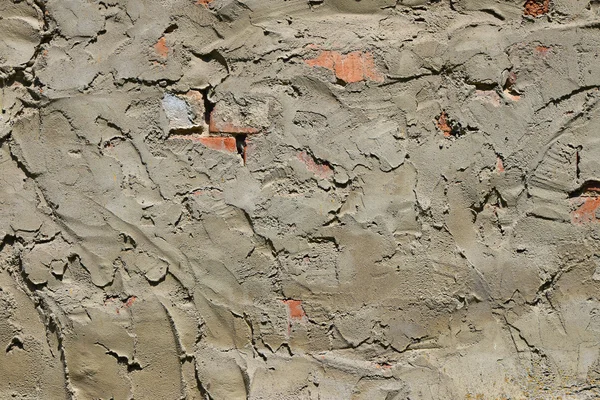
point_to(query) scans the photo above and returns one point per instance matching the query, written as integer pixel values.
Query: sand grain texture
(301, 199)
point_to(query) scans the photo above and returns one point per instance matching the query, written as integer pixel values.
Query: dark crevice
(493, 13)
(318, 161)
(286, 347)
(131, 365)
(483, 86)
(240, 145)
(325, 239)
(341, 82)
(53, 327)
(209, 105)
(567, 96)
(16, 342)
(214, 55)
(95, 38)
(588, 188)
(489, 198)
(203, 392)
(32, 287)
(449, 127)
(171, 28)
(577, 170)
(186, 131)
(392, 80)
(112, 125)
(146, 82)
(8, 240)
(252, 333)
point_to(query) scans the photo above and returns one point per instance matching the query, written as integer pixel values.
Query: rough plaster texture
(326, 199)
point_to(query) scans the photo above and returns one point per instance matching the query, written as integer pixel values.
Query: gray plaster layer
(324, 199)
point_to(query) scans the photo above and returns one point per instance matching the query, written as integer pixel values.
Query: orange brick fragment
(443, 125)
(542, 50)
(130, 301)
(219, 143)
(499, 165)
(586, 212)
(161, 47)
(295, 313)
(535, 8)
(295, 309)
(351, 67)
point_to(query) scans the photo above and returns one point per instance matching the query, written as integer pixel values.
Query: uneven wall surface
(301, 199)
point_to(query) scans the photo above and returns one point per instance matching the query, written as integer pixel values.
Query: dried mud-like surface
(325, 199)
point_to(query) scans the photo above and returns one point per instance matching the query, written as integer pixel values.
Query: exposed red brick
(130, 301)
(588, 204)
(542, 50)
(535, 8)
(295, 310)
(443, 125)
(245, 151)
(586, 212)
(195, 96)
(161, 47)
(513, 97)
(369, 69)
(323, 171)
(295, 313)
(212, 142)
(124, 304)
(351, 67)
(499, 165)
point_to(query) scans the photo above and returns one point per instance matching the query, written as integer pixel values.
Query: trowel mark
(352, 67)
